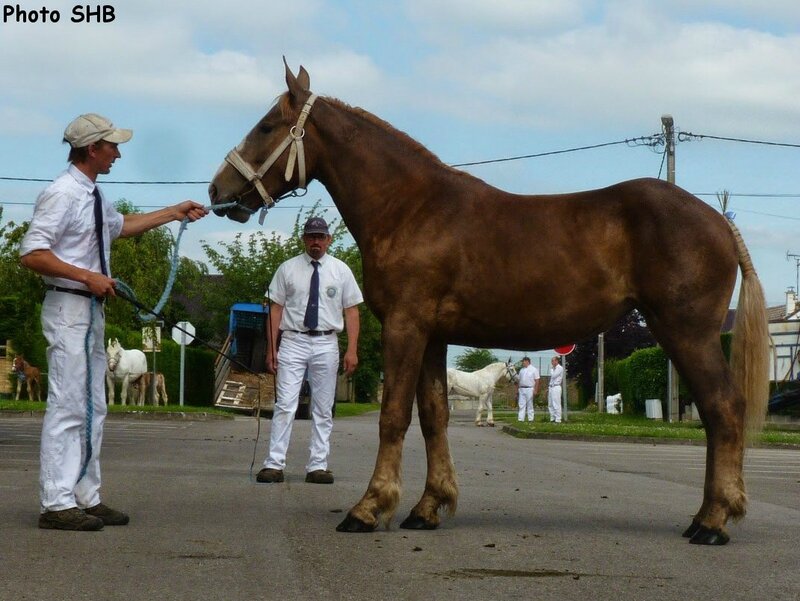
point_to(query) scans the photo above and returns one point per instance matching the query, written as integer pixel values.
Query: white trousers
(65, 320)
(554, 403)
(525, 402)
(320, 356)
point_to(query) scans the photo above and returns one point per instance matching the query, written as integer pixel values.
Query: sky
(469, 79)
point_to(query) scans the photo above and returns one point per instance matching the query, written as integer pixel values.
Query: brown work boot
(320, 477)
(110, 517)
(69, 519)
(269, 474)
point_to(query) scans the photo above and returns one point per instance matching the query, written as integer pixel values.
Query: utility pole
(673, 404)
(601, 366)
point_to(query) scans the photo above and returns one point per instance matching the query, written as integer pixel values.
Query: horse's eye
(264, 128)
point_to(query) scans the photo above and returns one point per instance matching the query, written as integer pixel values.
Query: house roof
(776, 313)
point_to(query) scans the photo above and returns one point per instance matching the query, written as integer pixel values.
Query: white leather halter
(293, 140)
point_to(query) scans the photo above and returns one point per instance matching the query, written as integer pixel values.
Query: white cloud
(503, 15)
(625, 70)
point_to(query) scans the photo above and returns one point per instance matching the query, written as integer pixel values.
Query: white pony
(480, 384)
(123, 366)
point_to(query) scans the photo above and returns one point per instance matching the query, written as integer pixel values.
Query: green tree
(21, 292)
(474, 359)
(144, 262)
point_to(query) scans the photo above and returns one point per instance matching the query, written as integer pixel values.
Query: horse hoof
(692, 529)
(353, 524)
(416, 522)
(709, 536)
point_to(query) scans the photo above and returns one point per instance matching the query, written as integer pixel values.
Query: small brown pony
(28, 375)
(434, 243)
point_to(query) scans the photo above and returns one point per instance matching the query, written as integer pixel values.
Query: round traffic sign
(565, 350)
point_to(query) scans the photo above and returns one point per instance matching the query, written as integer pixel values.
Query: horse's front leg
(489, 408)
(19, 388)
(110, 387)
(441, 488)
(403, 346)
(123, 393)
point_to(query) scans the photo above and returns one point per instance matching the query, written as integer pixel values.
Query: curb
(517, 433)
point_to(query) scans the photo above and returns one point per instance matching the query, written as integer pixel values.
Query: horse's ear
(297, 85)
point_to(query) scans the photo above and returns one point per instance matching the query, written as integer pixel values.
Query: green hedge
(643, 375)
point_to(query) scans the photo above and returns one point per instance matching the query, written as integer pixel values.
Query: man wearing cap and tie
(68, 243)
(308, 295)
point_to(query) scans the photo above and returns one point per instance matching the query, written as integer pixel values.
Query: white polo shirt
(338, 290)
(63, 223)
(556, 375)
(528, 376)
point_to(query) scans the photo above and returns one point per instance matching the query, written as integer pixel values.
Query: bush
(643, 375)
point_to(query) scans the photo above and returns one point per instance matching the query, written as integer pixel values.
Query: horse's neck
(494, 371)
(383, 168)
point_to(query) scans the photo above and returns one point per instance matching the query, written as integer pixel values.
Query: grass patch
(34, 406)
(342, 409)
(352, 409)
(603, 424)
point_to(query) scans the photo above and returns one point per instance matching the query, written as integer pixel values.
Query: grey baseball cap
(316, 225)
(90, 128)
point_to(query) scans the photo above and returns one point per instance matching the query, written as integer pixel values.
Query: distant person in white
(554, 391)
(527, 387)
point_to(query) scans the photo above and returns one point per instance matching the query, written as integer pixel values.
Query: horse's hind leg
(403, 345)
(441, 489)
(722, 411)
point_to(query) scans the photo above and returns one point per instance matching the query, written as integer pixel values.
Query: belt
(84, 293)
(313, 332)
(526, 386)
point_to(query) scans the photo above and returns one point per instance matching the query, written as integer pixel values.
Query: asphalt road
(537, 519)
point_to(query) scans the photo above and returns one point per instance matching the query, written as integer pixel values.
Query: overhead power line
(652, 141)
(687, 136)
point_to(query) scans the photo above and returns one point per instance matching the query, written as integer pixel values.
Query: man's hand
(190, 209)
(100, 285)
(350, 361)
(271, 363)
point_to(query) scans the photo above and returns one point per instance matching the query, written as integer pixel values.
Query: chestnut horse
(435, 242)
(28, 375)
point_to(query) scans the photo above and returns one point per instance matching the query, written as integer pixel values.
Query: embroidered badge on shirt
(330, 291)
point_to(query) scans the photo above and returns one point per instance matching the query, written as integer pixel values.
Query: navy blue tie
(312, 308)
(98, 228)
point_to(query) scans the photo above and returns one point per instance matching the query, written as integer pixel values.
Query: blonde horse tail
(750, 344)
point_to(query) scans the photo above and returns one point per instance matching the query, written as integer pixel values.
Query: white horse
(480, 384)
(123, 366)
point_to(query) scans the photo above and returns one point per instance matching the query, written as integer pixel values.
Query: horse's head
(510, 370)
(113, 353)
(19, 364)
(272, 160)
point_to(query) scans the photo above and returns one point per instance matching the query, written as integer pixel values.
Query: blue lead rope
(87, 348)
(127, 291)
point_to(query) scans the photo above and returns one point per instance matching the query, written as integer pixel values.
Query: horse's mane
(416, 147)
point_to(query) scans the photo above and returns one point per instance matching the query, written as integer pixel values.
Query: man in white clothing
(554, 391)
(68, 243)
(308, 295)
(527, 387)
